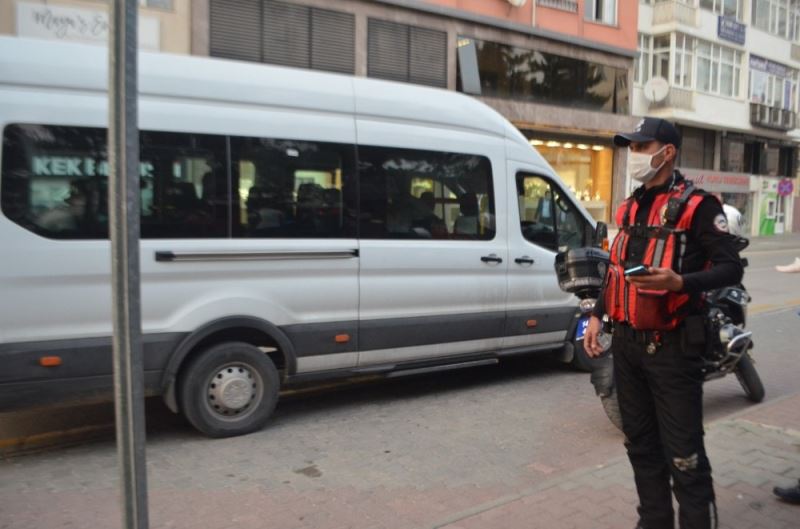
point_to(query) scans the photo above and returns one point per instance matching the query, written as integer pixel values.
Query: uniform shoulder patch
(721, 223)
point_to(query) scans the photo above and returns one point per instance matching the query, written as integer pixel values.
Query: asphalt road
(551, 387)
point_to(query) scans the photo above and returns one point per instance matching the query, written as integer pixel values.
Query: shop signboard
(48, 21)
(717, 181)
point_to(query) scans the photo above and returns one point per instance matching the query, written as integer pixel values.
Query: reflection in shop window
(585, 168)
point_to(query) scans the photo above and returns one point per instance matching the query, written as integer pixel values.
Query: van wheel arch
(246, 329)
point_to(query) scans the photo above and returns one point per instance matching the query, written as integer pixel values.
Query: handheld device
(640, 270)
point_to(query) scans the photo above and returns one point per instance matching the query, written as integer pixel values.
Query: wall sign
(732, 30)
(46, 21)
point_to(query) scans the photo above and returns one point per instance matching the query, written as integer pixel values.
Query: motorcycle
(729, 344)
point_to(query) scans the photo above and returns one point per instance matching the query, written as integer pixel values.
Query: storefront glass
(586, 168)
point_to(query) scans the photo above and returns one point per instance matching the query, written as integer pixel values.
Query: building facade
(560, 70)
(727, 72)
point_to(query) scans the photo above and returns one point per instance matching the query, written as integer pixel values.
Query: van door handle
(491, 258)
(524, 260)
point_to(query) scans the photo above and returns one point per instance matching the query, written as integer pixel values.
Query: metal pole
(123, 198)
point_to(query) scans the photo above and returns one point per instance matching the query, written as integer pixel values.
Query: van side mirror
(601, 235)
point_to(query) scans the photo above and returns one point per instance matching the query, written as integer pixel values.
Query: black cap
(651, 129)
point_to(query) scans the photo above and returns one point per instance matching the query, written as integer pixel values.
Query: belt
(625, 331)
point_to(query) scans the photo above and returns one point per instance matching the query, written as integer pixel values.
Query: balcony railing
(565, 5)
(676, 98)
(772, 117)
(669, 11)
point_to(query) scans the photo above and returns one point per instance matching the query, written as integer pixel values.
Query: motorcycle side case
(581, 270)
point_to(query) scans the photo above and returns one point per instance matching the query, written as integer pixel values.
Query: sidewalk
(786, 241)
(750, 453)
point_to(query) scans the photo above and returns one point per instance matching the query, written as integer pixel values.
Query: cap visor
(623, 140)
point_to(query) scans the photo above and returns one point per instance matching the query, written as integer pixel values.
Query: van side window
(292, 189)
(184, 186)
(547, 217)
(55, 182)
(416, 194)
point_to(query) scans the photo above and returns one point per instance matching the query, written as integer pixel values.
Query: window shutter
(387, 50)
(286, 34)
(333, 41)
(428, 57)
(235, 29)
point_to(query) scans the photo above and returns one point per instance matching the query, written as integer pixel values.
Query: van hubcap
(233, 390)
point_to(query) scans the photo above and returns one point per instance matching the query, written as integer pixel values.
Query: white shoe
(794, 267)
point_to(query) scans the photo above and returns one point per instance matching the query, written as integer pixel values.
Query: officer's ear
(670, 153)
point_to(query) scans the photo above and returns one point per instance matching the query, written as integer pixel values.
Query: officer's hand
(590, 342)
(658, 279)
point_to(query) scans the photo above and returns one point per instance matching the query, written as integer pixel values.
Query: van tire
(229, 389)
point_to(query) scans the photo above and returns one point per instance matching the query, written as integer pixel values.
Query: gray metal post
(123, 197)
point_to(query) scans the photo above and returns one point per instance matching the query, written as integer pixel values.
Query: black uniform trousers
(660, 394)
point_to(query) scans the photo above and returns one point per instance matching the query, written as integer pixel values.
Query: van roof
(33, 62)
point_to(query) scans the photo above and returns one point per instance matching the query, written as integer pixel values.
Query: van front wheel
(229, 389)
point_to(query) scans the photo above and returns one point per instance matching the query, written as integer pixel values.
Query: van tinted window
(415, 194)
(184, 185)
(55, 182)
(288, 188)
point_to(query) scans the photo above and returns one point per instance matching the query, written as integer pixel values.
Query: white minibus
(295, 226)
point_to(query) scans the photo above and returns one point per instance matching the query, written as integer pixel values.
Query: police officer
(675, 240)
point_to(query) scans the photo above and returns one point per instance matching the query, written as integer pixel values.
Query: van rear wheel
(229, 389)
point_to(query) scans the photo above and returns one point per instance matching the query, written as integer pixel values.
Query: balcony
(673, 11)
(677, 98)
(564, 5)
(772, 117)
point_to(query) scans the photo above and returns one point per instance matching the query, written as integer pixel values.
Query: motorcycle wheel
(748, 377)
(611, 407)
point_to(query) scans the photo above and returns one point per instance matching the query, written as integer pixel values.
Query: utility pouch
(651, 311)
(695, 330)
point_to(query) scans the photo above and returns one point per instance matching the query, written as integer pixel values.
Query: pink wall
(624, 35)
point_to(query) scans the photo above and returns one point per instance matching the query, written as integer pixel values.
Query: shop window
(697, 148)
(416, 194)
(585, 168)
(733, 156)
(293, 189)
(498, 70)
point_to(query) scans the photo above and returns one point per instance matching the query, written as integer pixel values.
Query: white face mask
(640, 165)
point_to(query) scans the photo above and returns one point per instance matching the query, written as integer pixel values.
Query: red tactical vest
(668, 223)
